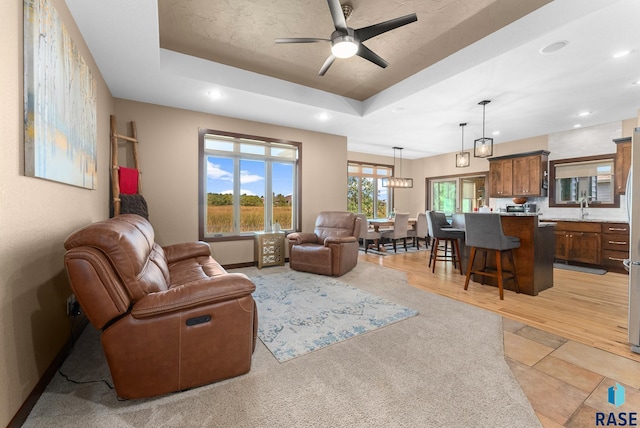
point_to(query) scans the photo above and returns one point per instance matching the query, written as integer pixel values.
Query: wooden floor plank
(591, 309)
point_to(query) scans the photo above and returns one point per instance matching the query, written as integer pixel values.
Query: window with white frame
(365, 193)
(247, 184)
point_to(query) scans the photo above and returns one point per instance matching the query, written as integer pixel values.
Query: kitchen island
(534, 258)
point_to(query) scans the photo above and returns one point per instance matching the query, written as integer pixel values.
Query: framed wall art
(60, 140)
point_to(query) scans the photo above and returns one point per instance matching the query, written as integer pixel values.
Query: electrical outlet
(70, 302)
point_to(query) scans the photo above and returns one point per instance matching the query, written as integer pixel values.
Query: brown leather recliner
(171, 317)
(333, 247)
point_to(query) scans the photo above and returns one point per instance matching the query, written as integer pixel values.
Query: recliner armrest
(302, 238)
(339, 240)
(202, 292)
(187, 250)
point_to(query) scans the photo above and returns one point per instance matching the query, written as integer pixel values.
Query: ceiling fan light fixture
(344, 46)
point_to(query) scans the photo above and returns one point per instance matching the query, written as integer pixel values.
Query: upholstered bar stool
(484, 232)
(443, 234)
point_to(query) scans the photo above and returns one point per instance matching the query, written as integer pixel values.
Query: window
(247, 184)
(459, 193)
(365, 192)
(588, 179)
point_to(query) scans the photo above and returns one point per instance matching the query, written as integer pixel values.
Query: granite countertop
(518, 214)
(587, 220)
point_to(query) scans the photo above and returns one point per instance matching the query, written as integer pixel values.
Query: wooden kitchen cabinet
(615, 245)
(579, 242)
(523, 174)
(623, 163)
(501, 177)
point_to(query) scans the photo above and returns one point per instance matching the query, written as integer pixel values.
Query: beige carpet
(442, 368)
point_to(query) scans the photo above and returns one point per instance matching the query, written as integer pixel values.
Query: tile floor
(567, 382)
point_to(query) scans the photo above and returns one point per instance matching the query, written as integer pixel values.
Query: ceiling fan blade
(366, 33)
(326, 65)
(302, 40)
(337, 15)
(369, 55)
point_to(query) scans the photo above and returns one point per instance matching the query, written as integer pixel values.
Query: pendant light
(483, 147)
(463, 159)
(394, 181)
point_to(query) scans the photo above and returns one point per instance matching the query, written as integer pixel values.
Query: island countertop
(534, 258)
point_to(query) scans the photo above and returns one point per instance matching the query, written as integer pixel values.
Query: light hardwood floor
(590, 309)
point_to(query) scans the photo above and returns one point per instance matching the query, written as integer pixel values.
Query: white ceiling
(531, 94)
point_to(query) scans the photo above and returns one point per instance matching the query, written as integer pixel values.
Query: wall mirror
(588, 180)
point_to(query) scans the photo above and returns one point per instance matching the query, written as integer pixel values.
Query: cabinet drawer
(615, 242)
(578, 226)
(617, 228)
(614, 258)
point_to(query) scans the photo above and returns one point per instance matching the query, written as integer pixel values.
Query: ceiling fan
(347, 42)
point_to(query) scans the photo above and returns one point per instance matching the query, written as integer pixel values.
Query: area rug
(574, 268)
(444, 367)
(301, 312)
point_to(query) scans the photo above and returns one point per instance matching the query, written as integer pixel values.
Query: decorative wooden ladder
(115, 179)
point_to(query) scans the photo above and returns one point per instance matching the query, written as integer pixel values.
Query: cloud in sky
(246, 177)
(242, 192)
(215, 172)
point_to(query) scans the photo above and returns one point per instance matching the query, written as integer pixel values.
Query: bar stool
(484, 232)
(441, 233)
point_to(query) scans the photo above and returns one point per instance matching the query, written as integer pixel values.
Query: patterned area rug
(301, 312)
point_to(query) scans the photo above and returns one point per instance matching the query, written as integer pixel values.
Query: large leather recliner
(171, 317)
(333, 247)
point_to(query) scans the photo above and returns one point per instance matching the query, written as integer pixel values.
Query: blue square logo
(616, 395)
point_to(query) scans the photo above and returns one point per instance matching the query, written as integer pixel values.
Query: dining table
(385, 223)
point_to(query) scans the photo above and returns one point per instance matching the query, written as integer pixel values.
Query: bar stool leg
(499, 268)
(471, 259)
(455, 244)
(436, 244)
(513, 267)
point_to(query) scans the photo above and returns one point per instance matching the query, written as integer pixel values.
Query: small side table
(269, 249)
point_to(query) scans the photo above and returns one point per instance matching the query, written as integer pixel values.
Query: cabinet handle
(618, 229)
(616, 259)
(618, 242)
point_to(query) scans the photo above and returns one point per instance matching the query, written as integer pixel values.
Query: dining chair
(421, 230)
(443, 233)
(366, 234)
(484, 232)
(399, 231)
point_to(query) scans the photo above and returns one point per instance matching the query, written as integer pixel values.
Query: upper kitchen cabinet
(523, 174)
(623, 163)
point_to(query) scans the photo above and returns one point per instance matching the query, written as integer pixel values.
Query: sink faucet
(584, 203)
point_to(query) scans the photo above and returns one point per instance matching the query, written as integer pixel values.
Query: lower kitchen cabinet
(579, 242)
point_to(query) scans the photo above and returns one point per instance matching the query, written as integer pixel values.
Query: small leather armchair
(332, 249)
(171, 317)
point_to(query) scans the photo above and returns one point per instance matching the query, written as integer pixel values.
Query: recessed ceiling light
(215, 94)
(399, 110)
(621, 54)
(637, 82)
(496, 132)
(577, 125)
(584, 113)
(323, 116)
(553, 47)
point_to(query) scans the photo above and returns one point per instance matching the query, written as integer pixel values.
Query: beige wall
(35, 217)
(168, 154)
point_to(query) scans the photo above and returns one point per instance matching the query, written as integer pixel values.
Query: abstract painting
(59, 102)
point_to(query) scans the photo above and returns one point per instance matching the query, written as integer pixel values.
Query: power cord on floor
(75, 311)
